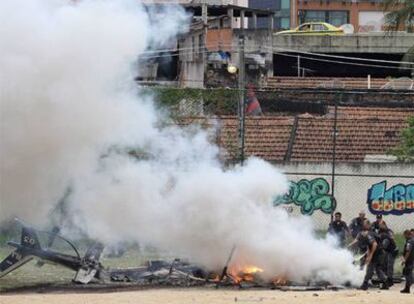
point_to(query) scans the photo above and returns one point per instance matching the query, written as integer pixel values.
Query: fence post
(334, 147)
(242, 103)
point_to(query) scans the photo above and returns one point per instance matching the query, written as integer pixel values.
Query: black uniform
(390, 251)
(409, 263)
(339, 229)
(367, 239)
(376, 227)
(356, 226)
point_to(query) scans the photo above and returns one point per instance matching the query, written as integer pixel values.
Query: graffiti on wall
(397, 200)
(310, 195)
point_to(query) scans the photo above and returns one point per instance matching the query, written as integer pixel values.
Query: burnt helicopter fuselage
(86, 268)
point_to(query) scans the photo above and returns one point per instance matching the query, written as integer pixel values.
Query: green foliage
(3, 239)
(405, 151)
(400, 241)
(218, 101)
(399, 13)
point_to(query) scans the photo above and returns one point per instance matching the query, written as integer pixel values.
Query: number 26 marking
(28, 240)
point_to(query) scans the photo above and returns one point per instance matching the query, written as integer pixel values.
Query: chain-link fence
(335, 146)
(356, 189)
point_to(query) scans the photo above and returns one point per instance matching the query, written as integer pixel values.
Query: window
(281, 8)
(314, 16)
(338, 18)
(285, 23)
(319, 27)
(305, 27)
(285, 4)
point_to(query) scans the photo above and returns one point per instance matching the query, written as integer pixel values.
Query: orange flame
(215, 278)
(252, 269)
(246, 273)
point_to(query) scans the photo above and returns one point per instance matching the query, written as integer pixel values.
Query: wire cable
(286, 55)
(339, 56)
(348, 63)
(280, 49)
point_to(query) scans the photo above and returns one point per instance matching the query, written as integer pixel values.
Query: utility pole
(294, 14)
(335, 134)
(242, 104)
(204, 13)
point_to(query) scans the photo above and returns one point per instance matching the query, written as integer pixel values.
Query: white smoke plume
(68, 102)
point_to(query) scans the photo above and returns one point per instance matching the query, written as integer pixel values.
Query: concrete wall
(397, 43)
(192, 59)
(312, 196)
(256, 41)
(220, 39)
(192, 74)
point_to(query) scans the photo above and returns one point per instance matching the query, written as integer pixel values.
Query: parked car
(314, 28)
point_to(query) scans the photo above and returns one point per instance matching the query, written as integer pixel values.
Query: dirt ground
(204, 296)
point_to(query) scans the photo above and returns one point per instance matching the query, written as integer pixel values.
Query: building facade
(216, 42)
(209, 2)
(281, 9)
(364, 15)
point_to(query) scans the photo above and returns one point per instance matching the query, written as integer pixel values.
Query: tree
(405, 151)
(399, 13)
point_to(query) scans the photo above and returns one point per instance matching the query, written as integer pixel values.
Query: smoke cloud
(69, 108)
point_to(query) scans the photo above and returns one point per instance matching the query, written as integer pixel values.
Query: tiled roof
(371, 112)
(361, 132)
(327, 82)
(355, 138)
(266, 137)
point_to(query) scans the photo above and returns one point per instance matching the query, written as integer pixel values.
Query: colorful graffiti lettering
(397, 200)
(310, 195)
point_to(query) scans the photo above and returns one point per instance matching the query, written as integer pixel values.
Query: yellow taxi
(314, 28)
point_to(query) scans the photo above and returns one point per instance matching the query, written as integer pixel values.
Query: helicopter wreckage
(89, 269)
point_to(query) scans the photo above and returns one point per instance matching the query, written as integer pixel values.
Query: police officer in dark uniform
(357, 224)
(377, 224)
(374, 258)
(408, 260)
(339, 229)
(361, 247)
(390, 250)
